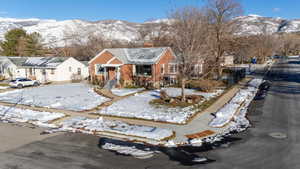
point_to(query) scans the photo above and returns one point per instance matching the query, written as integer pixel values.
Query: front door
(111, 73)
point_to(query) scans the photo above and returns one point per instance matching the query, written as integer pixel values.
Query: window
(52, 72)
(78, 71)
(99, 69)
(70, 69)
(197, 69)
(162, 69)
(172, 68)
(145, 70)
(43, 71)
(30, 71)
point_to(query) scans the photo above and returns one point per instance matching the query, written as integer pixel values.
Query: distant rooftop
(38, 62)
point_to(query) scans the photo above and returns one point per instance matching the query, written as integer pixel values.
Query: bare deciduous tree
(188, 38)
(289, 44)
(220, 14)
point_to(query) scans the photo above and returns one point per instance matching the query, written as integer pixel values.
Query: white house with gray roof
(43, 69)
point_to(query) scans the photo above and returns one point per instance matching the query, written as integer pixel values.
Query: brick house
(145, 66)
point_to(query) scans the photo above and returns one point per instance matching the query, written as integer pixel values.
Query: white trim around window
(172, 68)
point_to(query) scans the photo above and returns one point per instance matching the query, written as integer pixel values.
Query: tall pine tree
(18, 43)
(10, 45)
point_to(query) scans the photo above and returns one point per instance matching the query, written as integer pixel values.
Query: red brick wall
(102, 59)
(126, 72)
(165, 59)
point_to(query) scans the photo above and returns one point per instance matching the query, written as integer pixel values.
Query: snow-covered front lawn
(75, 96)
(4, 87)
(138, 106)
(41, 119)
(125, 91)
(92, 126)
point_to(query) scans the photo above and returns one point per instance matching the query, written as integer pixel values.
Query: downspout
(154, 80)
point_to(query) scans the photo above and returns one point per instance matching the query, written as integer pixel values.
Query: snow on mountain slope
(55, 33)
(58, 33)
(291, 26)
(255, 24)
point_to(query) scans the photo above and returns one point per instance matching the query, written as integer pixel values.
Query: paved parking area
(67, 150)
(13, 136)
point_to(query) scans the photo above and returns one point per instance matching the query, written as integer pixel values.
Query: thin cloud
(276, 9)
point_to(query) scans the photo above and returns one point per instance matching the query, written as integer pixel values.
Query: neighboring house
(140, 65)
(6, 67)
(43, 69)
(228, 60)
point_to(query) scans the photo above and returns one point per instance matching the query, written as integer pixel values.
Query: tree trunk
(183, 81)
(220, 72)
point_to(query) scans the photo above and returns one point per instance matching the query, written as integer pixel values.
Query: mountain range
(57, 33)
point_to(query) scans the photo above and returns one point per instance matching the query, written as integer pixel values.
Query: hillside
(56, 33)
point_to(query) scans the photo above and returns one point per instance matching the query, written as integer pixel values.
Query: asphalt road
(279, 113)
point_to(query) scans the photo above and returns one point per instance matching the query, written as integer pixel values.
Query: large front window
(99, 69)
(145, 70)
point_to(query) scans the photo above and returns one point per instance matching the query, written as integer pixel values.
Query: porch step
(110, 84)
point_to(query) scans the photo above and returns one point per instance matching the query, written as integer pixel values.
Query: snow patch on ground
(227, 112)
(237, 121)
(129, 150)
(41, 119)
(73, 96)
(125, 92)
(4, 87)
(138, 106)
(92, 126)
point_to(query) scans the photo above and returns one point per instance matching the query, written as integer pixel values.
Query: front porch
(109, 72)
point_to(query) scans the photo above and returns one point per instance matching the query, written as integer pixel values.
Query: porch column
(118, 74)
(105, 74)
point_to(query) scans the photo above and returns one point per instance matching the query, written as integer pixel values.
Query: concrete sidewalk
(198, 124)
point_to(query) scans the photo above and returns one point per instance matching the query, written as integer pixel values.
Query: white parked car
(23, 82)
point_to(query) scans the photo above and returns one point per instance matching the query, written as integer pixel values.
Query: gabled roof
(136, 55)
(86, 63)
(37, 62)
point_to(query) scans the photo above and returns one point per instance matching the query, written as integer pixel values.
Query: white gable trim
(164, 52)
(112, 59)
(98, 55)
(108, 62)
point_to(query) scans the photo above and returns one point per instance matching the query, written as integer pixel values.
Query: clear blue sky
(130, 10)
